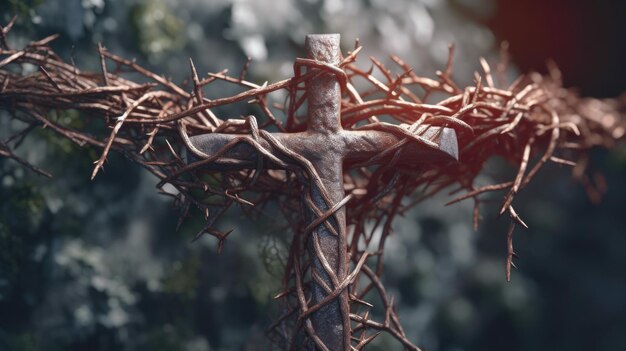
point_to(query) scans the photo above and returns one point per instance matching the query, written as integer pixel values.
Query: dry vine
(529, 123)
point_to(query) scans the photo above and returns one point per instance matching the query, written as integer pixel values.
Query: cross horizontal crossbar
(359, 148)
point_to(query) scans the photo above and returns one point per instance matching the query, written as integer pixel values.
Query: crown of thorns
(529, 123)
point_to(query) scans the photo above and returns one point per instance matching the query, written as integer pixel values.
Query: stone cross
(329, 148)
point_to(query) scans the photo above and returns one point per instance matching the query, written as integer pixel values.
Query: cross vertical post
(324, 109)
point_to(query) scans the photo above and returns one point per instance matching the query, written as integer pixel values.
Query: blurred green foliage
(19, 226)
(156, 29)
(20, 7)
(182, 278)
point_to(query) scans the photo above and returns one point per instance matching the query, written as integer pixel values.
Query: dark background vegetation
(98, 265)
